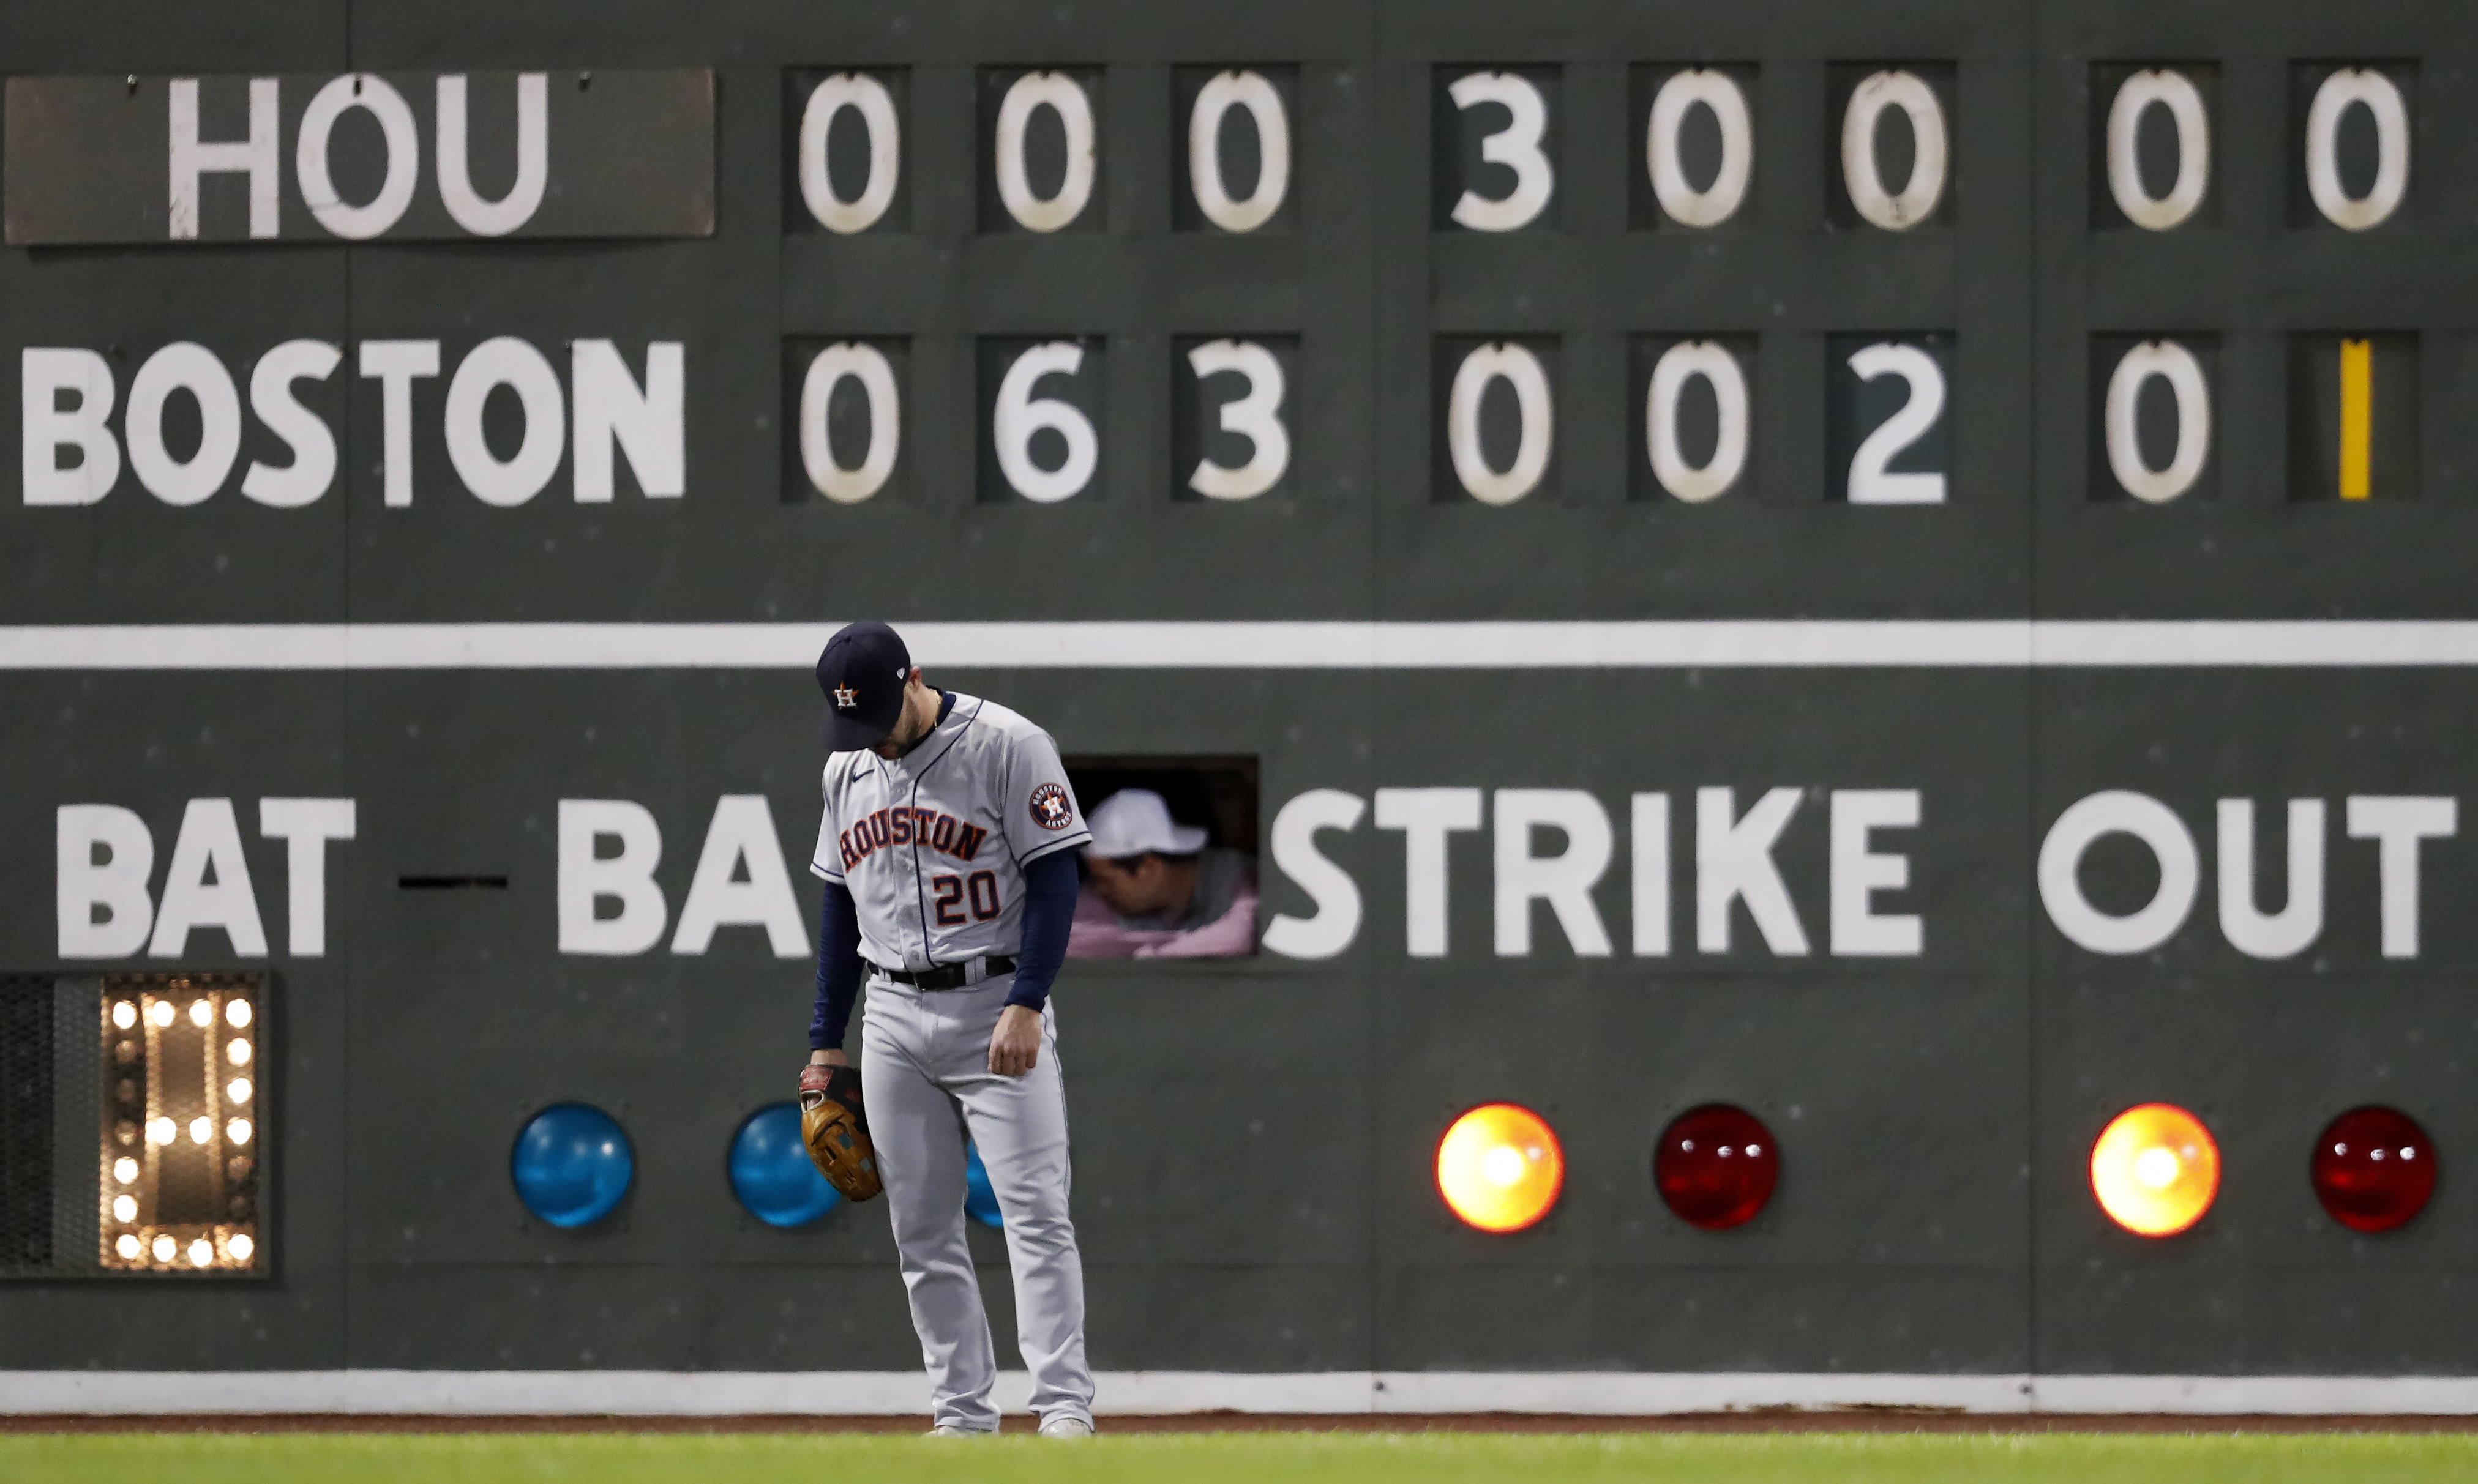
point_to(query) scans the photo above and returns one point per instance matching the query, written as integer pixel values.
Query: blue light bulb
(772, 1172)
(572, 1165)
(980, 1201)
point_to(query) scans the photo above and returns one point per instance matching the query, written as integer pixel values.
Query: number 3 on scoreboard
(978, 891)
(1888, 416)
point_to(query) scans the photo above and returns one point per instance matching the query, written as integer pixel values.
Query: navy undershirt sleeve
(838, 967)
(1049, 910)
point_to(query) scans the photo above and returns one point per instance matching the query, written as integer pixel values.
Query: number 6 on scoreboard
(1889, 436)
(1041, 413)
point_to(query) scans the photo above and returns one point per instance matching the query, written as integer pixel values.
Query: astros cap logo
(846, 698)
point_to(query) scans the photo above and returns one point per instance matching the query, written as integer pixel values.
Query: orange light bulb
(1499, 1168)
(2155, 1170)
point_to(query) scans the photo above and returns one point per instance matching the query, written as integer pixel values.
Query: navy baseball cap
(862, 673)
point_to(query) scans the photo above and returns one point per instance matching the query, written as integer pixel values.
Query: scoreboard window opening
(1198, 814)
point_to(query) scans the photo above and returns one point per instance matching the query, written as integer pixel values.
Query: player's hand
(833, 1058)
(1016, 1043)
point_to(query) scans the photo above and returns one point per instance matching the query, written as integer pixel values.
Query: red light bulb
(2374, 1169)
(1715, 1166)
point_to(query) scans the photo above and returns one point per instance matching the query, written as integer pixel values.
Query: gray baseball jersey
(933, 844)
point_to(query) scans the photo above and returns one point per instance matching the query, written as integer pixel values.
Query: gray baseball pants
(925, 1079)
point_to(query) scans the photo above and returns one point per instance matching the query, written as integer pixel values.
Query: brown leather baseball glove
(836, 1130)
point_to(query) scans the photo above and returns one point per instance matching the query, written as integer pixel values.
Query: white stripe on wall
(2004, 643)
(1134, 1392)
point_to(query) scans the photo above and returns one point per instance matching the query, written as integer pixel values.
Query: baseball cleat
(1066, 1427)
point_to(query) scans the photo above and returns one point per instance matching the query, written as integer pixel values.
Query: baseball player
(949, 851)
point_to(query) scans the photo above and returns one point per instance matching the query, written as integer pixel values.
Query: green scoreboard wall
(1541, 438)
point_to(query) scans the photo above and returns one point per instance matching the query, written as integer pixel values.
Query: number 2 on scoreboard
(1889, 418)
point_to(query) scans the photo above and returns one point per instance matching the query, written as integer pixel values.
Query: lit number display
(1239, 163)
(2353, 429)
(1040, 135)
(1889, 418)
(1041, 418)
(1693, 412)
(1495, 148)
(844, 417)
(1496, 418)
(847, 152)
(1229, 437)
(182, 1126)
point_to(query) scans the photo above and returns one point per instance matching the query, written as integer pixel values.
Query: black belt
(950, 976)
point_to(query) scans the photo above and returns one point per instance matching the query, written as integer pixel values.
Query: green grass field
(1207, 1458)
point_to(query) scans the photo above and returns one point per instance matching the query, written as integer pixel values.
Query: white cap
(1133, 822)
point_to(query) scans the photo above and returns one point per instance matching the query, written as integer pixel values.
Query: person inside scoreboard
(1152, 888)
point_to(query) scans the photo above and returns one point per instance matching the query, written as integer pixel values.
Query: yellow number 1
(2357, 419)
